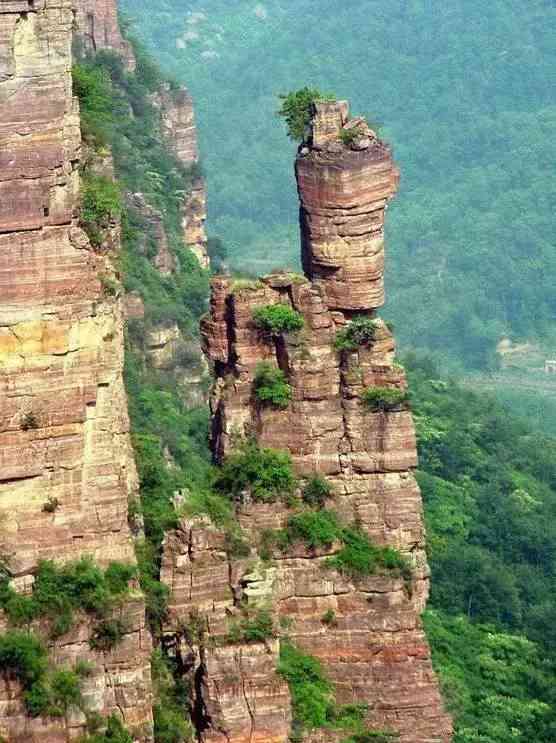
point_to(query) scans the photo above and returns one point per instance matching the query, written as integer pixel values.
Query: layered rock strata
(375, 651)
(66, 466)
(98, 28)
(177, 121)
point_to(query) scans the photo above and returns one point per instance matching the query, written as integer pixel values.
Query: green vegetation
(470, 247)
(271, 386)
(384, 398)
(357, 556)
(329, 618)
(316, 491)
(107, 634)
(266, 474)
(113, 732)
(317, 529)
(489, 486)
(297, 111)
(60, 591)
(47, 691)
(313, 700)
(171, 698)
(349, 136)
(278, 318)
(101, 205)
(257, 628)
(359, 332)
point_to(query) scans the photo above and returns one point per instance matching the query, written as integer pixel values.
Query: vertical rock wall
(375, 651)
(64, 430)
(98, 28)
(177, 117)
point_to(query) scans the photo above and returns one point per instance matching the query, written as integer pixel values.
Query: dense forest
(466, 94)
(488, 480)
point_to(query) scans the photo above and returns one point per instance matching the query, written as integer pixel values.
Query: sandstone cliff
(98, 28)
(66, 466)
(178, 127)
(374, 650)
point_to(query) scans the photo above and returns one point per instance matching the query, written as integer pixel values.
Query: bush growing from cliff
(384, 398)
(101, 204)
(266, 474)
(316, 529)
(170, 701)
(359, 332)
(271, 386)
(278, 318)
(59, 591)
(46, 691)
(297, 111)
(316, 491)
(359, 557)
(256, 628)
(114, 732)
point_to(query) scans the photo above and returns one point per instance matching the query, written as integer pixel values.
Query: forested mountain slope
(467, 96)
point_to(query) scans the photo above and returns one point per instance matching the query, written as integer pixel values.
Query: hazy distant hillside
(466, 91)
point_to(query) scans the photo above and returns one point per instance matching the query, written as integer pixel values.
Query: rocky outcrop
(98, 28)
(344, 193)
(177, 121)
(375, 650)
(64, 430)
(194, 214)
(238, 694)
(153, 240)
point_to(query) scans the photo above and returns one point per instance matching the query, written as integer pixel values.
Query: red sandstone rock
(64, 429)
(98, 28)
(375, 652)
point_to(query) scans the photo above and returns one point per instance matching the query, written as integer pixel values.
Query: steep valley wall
(64, 430)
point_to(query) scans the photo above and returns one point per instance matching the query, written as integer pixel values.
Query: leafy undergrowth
(356, 557)
(60, 591)
(489, 486)
(313, 704)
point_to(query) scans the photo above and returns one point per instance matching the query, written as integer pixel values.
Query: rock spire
(375, 651)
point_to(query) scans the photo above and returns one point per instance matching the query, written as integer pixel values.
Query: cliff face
(98, 28)
(375, 651)
(64, 430)
(177, 117)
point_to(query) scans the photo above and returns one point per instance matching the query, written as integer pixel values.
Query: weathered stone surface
(241, 696)
(375, 651)
(64, 429)
(194, 215)
(98, 28)
(344, 194)
(153, 236)
(177, 123)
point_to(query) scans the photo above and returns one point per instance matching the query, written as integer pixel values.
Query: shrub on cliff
(271, 386)
(316, 529)
(278, 318)
(384, 398)
(101, 204)
(59, 591)
(46, 692)
(266, 474)
(297, 111)
(359, 332)
(256, 628)
(316, 491)
(359, 557)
